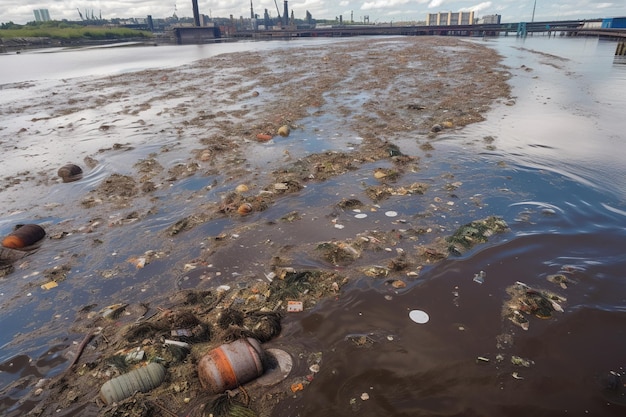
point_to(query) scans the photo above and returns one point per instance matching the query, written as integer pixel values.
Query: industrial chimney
(196, 13)
(286, 15)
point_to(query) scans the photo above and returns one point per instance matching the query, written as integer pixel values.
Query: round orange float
(24, 237)
(263, 137)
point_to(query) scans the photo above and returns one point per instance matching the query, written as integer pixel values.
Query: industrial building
(450, 18)
(492, 19)
(42, 15)
(614, 23)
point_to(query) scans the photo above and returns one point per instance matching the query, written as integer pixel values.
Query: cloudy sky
(21, 11)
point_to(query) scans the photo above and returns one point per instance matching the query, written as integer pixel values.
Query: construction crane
(80, 14)
(277, 10)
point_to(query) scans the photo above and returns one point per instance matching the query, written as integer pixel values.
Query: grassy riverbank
(66, 31)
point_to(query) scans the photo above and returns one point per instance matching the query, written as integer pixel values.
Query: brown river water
(548, 160)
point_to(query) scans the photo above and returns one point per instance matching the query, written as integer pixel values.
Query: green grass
(64, 31)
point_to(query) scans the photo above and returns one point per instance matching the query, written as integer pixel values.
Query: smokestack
(286, 15)
(251, 11)
(196, 13)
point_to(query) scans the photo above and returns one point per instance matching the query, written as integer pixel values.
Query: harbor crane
(277, 10)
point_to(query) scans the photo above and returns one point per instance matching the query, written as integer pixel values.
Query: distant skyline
(378, 11)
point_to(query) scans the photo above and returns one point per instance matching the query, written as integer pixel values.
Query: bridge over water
(569, 27)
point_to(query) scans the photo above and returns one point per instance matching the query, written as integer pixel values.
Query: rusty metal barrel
(231, 365)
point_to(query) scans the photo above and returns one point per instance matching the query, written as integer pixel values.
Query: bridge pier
(621, 49)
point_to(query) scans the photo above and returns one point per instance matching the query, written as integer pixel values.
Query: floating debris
(376, 271)
(419, 316)
(559, 279)
(338, 252)
(360, 340)
(49, 285)
(24, 237)
(474, 233)
(70, 173)
(241, 188)
(294, 306)
(480, 277)
(529, 301)
(519, 361)
(142, 379)
(284, 131)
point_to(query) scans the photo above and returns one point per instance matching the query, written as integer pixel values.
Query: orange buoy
(24, 237)
(263, 137)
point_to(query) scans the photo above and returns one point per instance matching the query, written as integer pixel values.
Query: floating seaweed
(226, 406)
(474, 233)
(526, 301)
(230, 317)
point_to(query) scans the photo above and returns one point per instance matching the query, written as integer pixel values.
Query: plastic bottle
(141, 379)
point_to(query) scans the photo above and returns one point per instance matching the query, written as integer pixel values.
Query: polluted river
(424, 226)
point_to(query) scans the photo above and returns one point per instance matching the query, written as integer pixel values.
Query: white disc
(419, 316)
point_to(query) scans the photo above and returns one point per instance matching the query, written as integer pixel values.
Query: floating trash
(419, 316)
(70, 172)
(474, 233)
(24, 237)
(480, 277)
(284, 131)
(263, 137)
(241, 188)
(49, 285)
(519, 361)
(279, 365)
(558, 279)
(142, 379)
(294, 306)
(360, 216)
(245, 208)
(529, 301)
(231, 365)
(391, 213)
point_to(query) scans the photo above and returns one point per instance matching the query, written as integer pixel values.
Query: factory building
(490, 19)
(42, 15)
(450, 18)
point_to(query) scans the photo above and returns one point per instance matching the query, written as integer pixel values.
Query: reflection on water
(567, 114)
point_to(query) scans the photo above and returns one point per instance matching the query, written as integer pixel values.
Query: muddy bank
(195, 213)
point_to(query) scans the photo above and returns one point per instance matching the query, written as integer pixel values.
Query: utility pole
(532, 19)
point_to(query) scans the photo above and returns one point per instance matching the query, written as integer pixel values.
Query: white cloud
(435, 3)
(383, 4)
(486, 5)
